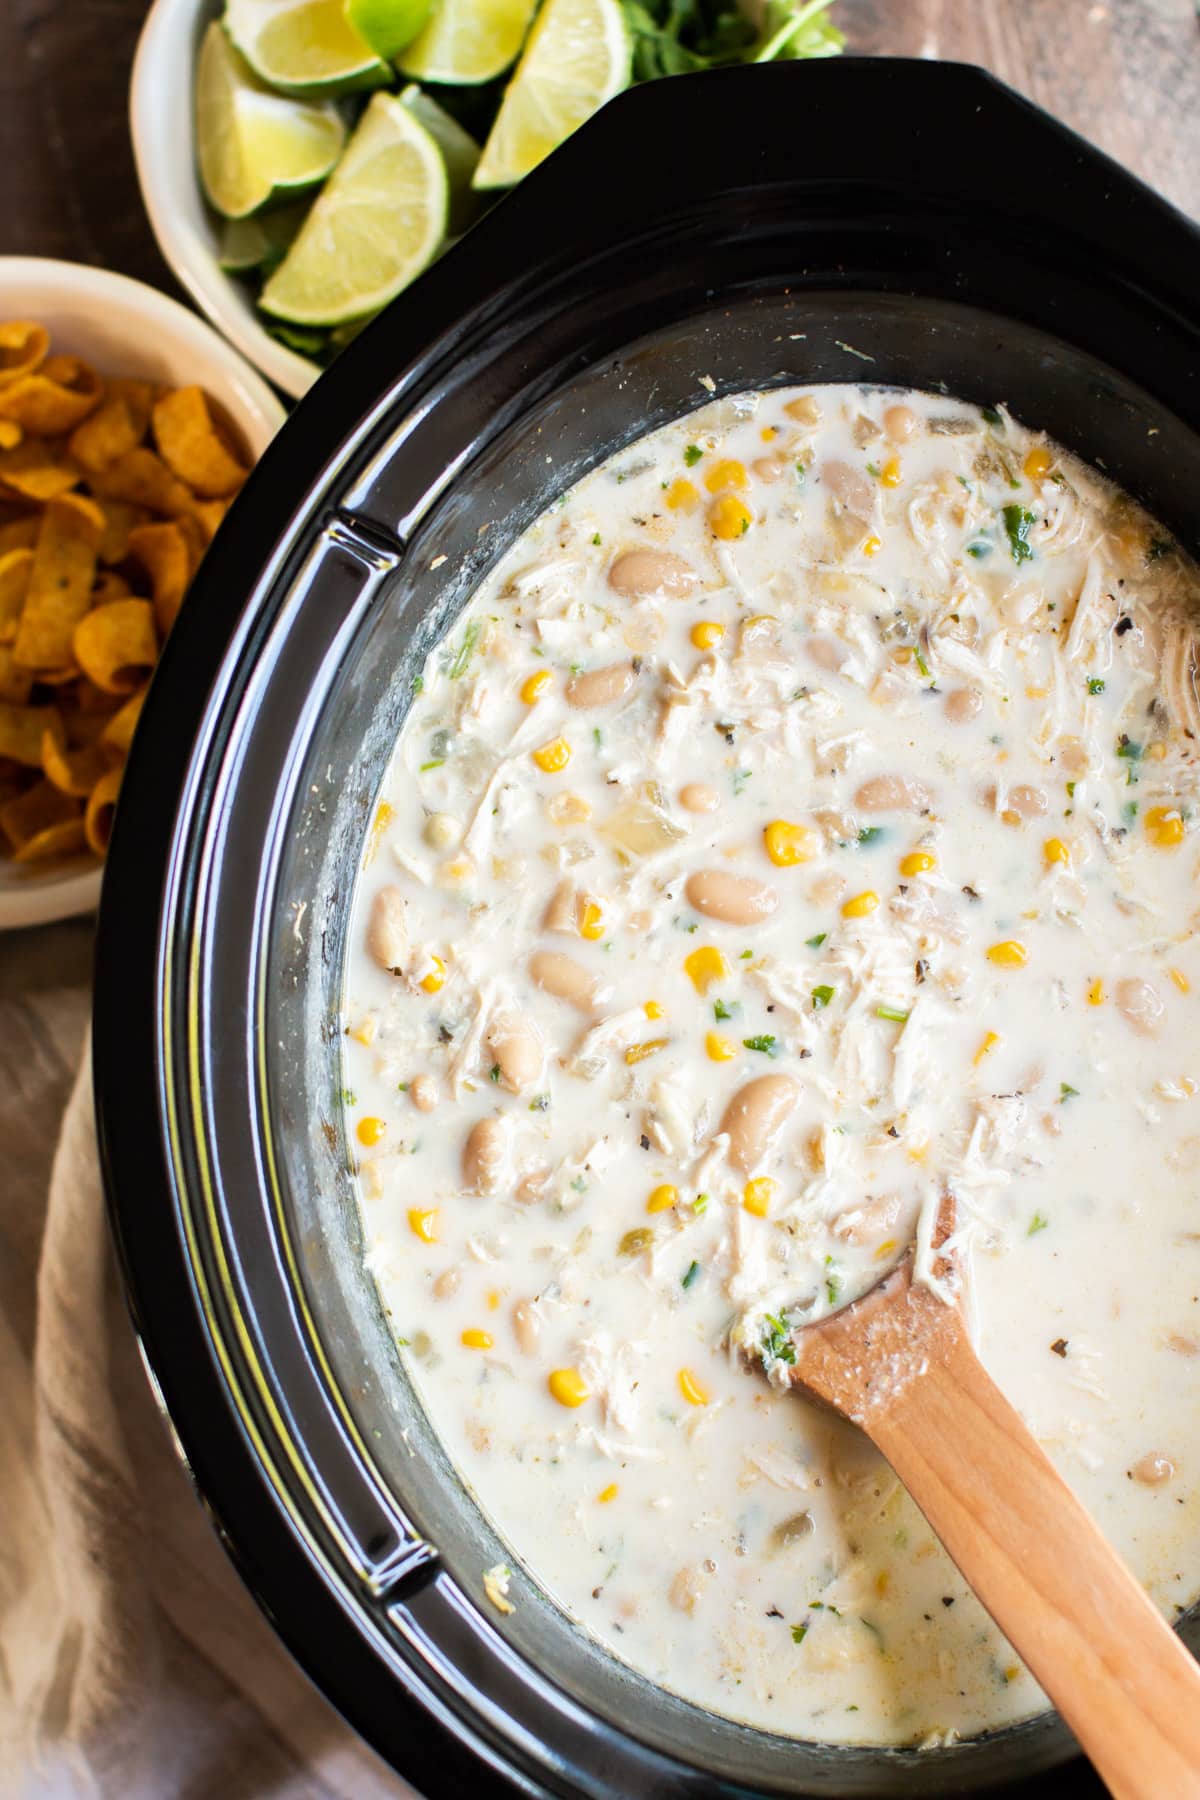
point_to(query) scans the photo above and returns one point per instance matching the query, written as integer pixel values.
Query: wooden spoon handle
(1118, 1674)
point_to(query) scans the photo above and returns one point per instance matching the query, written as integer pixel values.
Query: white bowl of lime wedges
(317, 176)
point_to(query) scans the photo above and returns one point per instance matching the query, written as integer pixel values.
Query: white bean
(1141, 1005)
(563, 977)
(423, 1092)
(387, 930)
(562, 912)
(527, 1324)
(899, 422)
(755, 1117)
(963, 704)
(447, 1284)
(699, 797)
(517, 1048)
(640, 573)
(1153, 1469)
(736, 899)
(484, 1155)
(601, 687)
(441, 831)
(891, 793)
(1030, 802)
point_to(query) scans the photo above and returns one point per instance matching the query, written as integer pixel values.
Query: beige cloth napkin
(133, 1664)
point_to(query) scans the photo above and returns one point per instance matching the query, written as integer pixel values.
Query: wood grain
(900, 1363)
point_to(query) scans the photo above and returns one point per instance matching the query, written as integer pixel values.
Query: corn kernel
(885, 1249)
(720, 1049)
(860, 905)
(436, 977)
(637, 1053)
(607, 1494)
(872, 545)
(1157, 751)
(653, 1010)
(474, 1339)
(534, 685)
(883, 1582)
(683, 495)
(787, 844)
(1009, 954)
(1011, 1672)
(1010, 816)
(494, 1298)
(1165, 826)
(918, 1150)
(383, 818)
(553, 757)
(568, 1387)
(890, 473)
(988, 1044)
(591, 921)
(693, 1391)
(704, 966)
(370, 1130)
(729, 518)
(757, 1196)
(707, 633)
(1096, 994)
(1181, 981)
(1036, 693)
(456, 873)
(423, 1224)
(917, 862)
(1055, 851)
(724, 475)
(569, 809)
(1037, 463)
(662, 1198)
(364, 1033)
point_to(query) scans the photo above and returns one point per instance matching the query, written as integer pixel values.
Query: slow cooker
(857, 221)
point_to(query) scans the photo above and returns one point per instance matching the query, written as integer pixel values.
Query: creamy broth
(799, 821)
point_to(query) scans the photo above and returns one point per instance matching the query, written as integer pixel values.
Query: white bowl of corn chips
(126, 428)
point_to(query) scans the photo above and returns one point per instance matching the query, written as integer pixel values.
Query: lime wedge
(253, 146)
(305, 47)
(468, 41)
(577, 57)
(261, 240)
(375, 224)
(388, 26)
(460, 153)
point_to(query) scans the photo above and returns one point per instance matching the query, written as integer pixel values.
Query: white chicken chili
(799, 821)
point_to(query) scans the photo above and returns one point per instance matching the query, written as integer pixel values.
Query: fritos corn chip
(35, 811)
(111, 489)
(114, 644)
(60, 582)
(23, 346)
(98, 815)
(162, 551)
(193, 447)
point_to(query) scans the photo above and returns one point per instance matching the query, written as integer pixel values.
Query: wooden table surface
(1125, 73)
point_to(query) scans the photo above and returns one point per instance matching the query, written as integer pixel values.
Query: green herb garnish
(776, 1345)
(992, 416)
(979, 549)
(764, 1042)
(1018, 523)
(1095, 684)
(869, 835)
(691, 1275)
(692, 455)
(465, 651)
(921, 663)
(1067, 1092)
(799, 1633)
(435, 762)
(740, 778)
(1126, 747)
(721, 1011)
(1038, 1223)
(894, 1013)
(540, 1103)
(494, 1072)
(821, 996)
(814, 943)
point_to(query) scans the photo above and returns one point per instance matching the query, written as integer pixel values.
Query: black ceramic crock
(890, 222)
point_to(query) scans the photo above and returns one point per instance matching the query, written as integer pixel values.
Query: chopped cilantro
(597, 737)
(992, 416)
(1067, 1092)
(745, 526)
(1070, 790)
(1127, 748)
(833, 1281)
(1095, 684)
(1038, 1223)
(692, 455)
(494, 1072)
(821, 996)
(799, 1633)
(746, 956)
(873, 469)
(700, 1204)
(814, 943)
(595, 537)
(1018, 523)
(721, 1011)
(776, 1345)
(801, 471)
(540, 1103)
(740, 778)
(764, 1042)
(979, 549)
(693, 1271)
(348, 1097)
(418, 682)
(1130, 810)
(870, 834)
(921, 663)
(894, 1013)
(465, 651)
(579, 1185)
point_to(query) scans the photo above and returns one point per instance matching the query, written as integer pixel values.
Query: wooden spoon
(899, 1363)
